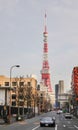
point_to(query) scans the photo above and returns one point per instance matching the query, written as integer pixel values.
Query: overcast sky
(21, 37)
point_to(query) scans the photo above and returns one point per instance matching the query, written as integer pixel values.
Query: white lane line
(56, 127)
(36, 127)
(76, 126)
(64, 125)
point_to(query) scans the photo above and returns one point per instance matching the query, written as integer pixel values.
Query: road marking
(64, 125)
(36, 127)
(76, 126)
(56, 127)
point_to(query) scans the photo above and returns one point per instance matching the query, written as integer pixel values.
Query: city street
(38, 64)
(33, 123)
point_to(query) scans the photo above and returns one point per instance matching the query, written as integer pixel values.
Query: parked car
(59, 111)
(19, 118)
(68, 116)
(47, 121)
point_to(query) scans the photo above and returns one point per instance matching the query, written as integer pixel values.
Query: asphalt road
(33, 123)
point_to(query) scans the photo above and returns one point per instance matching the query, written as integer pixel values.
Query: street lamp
(11, 72)
(9, 119)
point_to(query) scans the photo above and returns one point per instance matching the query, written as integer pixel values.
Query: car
(68, 116)
(59, 111)
(47, 121)
(19, 118)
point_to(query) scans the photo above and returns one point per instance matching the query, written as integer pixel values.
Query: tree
(24, 94)
(20, 93)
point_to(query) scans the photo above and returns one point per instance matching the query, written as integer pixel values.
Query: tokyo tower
(45, 72)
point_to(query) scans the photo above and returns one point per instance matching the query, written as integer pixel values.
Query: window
(29, 83)
(21, 96)
(41, 95)
(21, 83)
(14, 83)
(6, 83)
(38, 87)
(13, 96)
(13, 103)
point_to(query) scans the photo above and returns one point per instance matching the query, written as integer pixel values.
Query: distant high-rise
(45, 72)
(56, 95)
(59, 90)
(61, 87)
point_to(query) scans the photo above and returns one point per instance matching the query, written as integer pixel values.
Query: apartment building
(18, 89)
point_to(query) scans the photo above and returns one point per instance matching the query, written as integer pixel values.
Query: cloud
(5, 4)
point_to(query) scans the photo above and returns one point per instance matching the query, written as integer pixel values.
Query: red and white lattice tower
(45, 72)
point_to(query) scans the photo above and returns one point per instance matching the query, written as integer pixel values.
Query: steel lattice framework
(45, 72)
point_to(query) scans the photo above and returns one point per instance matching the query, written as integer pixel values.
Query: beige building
(19, 86)
(24, 93)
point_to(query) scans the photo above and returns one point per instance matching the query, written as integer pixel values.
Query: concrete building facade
(61, 87)
(15, 83)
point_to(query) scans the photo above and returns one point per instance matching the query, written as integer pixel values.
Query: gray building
(61, 87)
(59, 90)
(56, 95)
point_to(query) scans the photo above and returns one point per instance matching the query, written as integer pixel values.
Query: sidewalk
(2, 121)
(13, 119)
